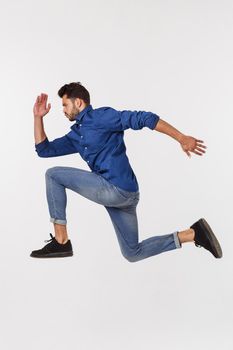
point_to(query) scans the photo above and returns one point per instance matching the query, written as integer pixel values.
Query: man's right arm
(39, 132)
(61, 146)
(45, 148)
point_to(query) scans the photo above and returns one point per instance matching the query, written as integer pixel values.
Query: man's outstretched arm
(188, 143)
(136, 120)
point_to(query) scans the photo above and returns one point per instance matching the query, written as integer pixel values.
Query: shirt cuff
(152, 121)
(40, 146)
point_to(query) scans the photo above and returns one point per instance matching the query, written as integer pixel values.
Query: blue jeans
(120, 204)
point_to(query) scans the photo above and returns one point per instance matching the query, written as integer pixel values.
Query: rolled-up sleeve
(121, 120)
(60, 146)
(137, 120)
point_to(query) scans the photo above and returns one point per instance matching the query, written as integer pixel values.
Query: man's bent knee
(131, 257)
(51, 171)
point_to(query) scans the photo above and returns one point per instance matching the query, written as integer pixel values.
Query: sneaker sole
(53, 255)
(213, 239)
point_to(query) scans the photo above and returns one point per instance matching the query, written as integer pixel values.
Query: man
(97, 135)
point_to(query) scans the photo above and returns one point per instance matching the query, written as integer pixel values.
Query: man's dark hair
(74, 90)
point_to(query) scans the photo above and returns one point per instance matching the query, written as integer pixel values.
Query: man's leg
(126, 227)
(86, 183)
(59, 178)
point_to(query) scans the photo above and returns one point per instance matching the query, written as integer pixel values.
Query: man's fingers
(200, 145)
(198, 153)
(41, 98)
(45, 98)
(200, 149)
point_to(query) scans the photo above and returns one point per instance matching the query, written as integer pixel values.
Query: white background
(173, 58)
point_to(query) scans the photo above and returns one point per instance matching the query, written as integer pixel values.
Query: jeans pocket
(127, 194)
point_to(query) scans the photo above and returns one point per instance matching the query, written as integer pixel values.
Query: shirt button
(85, 147)
(80, 124)
(81, 136)
(88, 161)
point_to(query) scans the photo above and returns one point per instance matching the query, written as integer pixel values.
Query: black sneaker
(53, 249)
(204, 237)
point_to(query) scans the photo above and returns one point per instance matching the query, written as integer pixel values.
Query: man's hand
(40, 109)
(190, 144)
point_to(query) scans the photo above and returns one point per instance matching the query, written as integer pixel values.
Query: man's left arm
(136, 120)
(188, 143)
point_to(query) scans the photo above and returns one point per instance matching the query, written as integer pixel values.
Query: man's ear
(78, 102)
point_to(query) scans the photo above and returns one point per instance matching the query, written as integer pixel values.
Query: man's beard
(73, 114)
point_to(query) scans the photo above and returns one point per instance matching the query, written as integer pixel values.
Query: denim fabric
(98, 136)
(120, 205)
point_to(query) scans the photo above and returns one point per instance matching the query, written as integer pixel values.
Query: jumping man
(98, 136)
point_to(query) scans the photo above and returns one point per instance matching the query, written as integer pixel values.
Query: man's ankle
(62, 240)
(186, 236)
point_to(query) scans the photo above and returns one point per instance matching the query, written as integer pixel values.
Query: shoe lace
(51, 239)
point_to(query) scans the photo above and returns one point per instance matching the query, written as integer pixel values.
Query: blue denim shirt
(98, 136)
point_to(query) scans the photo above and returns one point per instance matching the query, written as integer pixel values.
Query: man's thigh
(90, 185)
(83, 182)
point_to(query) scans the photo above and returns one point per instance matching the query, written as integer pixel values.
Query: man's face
(71, 107)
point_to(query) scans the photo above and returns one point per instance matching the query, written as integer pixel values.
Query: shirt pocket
(96, 139)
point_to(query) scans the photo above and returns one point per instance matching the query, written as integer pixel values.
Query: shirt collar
(79, 116)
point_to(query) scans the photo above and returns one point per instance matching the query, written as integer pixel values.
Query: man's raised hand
(40, 108)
